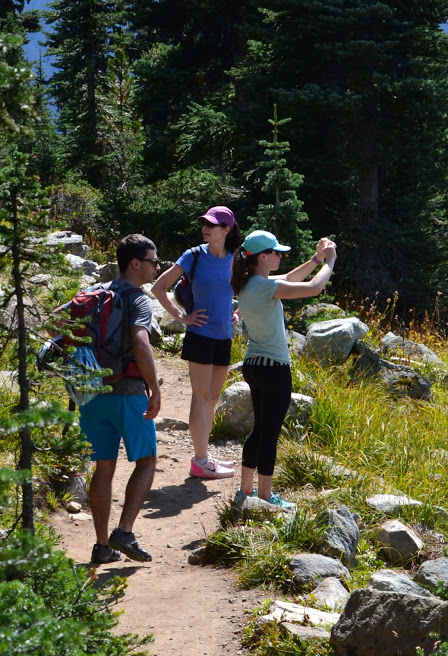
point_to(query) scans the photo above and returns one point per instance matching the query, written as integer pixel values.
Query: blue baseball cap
(260, 240)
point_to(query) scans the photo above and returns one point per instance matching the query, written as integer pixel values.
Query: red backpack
(102, 315)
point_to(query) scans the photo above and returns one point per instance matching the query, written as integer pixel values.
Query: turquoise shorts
(109, 417)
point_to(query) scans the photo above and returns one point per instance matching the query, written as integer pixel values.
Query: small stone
(74, 507)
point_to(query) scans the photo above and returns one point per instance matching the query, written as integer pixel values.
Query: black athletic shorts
(206, 350)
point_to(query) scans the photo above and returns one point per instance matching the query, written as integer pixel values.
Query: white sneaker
(210, 469)
(229, 464)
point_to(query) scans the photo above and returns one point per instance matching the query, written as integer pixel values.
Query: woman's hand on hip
(196, 318)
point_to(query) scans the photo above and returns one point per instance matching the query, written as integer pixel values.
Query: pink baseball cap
(219, 215)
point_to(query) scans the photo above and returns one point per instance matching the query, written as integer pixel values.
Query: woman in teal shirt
(266, 366)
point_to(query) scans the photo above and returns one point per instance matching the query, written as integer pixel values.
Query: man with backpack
(128, 411)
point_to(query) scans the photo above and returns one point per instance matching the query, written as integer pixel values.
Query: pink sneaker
(210, 469)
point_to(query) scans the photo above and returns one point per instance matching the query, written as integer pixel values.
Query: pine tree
(365, 85)
(47, 150)
(24, 221)
(283, 215)
(79, 40)
(184, 51)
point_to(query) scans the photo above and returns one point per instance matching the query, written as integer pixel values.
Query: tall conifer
(282, 214)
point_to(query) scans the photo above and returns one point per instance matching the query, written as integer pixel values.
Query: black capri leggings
(270, 388)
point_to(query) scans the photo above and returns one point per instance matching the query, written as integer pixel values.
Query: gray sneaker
(128, 545)
(103, 554)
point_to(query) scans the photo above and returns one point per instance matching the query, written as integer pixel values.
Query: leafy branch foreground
(49, 606)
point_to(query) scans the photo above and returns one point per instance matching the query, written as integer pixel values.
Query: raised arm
(159, 289)
(289, 287)
(303, 270)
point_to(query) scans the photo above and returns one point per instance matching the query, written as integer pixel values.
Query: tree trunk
(26, 444)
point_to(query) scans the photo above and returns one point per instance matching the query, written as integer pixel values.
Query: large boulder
(235, 406)
(392, 344)
(331, 342)
(377, 623)
(318, 311)
(399, 379)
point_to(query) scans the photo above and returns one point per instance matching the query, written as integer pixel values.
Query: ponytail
(243, 268)
(233, 238)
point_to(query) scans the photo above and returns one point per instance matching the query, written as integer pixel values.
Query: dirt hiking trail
(191, 610)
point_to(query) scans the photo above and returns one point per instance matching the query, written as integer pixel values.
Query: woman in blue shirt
(208, 338)
(266, 366)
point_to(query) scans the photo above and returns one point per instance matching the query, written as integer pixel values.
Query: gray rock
(299, 620)
(300, 408)
(89, 267)
(170, 325)
(168, 423)
(330, 593)
(388, 580)
(156, 332)
(70, 242)
(324, 310)
(74, 507)
(296, 342)
(395, 343)
(399, 543)
(81, 517)
(108, 271)
(331, 342)
(375, 623)
(305, 632)
(235, 405)
(433, 571)
(255, 503)
(157, 308)
(310, 569)
(401, 380)
(391, 504)
(342, 535)
(9, 381)
(335, 469)
(77, 487)
(197, 556)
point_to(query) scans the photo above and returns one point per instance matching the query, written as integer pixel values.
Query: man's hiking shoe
(128, 545)
(210, 469)
(103, 554)
(276, 500)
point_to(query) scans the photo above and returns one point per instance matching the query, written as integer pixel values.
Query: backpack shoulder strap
(196, 250)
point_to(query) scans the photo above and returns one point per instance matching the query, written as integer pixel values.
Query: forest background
(154, 111)
(309, 118)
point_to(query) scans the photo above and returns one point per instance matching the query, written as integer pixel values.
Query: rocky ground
(191, 610)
